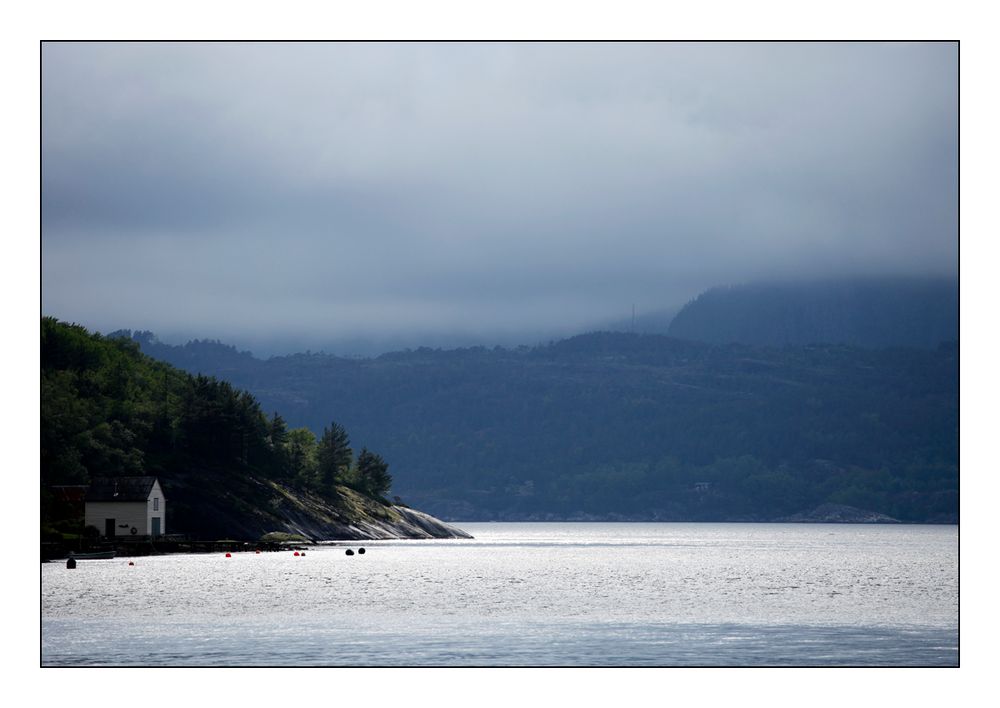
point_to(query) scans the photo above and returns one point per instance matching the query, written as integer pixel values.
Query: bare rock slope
(355, 517)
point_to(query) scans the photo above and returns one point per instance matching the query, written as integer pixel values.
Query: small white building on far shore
(126, 506)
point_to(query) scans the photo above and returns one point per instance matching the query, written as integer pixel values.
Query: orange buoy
(296, 553)
(229, 555)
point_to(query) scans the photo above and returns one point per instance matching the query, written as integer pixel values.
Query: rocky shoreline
(300, 518)
(401, 522)
(840, 514)
(347, 516)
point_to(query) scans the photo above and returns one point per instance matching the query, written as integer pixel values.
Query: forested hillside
(883, 312)
(634, 426)
(226, 467)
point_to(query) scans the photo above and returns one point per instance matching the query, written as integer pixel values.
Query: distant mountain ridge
(865, 312)
(637, 427)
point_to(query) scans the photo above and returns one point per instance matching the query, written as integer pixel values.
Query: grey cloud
(330, 189)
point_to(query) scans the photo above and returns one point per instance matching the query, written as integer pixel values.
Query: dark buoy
(303, 553)
(361, 551)
(71, 563)
(349, 552)
(131, 563)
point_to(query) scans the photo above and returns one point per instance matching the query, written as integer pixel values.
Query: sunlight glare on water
(527, 594)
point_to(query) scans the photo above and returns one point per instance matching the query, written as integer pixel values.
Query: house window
(156, 503)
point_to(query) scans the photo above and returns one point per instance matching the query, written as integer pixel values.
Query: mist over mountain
(867, 312)
(362, 198)
(264, 345)
(656, 321)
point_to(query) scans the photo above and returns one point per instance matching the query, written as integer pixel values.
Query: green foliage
(334, 456)
(303, 456)
(279, 442)
(109, 410)
(373, 474)
(282, 537)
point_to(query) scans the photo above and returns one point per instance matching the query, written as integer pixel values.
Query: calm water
(528, 594)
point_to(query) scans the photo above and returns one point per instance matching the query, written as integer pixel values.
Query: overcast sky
(300, 195)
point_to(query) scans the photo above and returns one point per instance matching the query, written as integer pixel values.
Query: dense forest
(109, 410)
(882, 312)
(615, 425)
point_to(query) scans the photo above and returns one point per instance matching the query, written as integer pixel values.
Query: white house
(126, 506)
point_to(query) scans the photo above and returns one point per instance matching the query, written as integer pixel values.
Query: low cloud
(324, 191)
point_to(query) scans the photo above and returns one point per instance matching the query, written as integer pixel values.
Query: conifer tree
(334, 456)
(280, 454)
(373, 474)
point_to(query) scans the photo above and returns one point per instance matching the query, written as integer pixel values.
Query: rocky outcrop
(840, 514)
(353, 517)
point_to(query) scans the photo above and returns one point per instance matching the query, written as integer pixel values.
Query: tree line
(643, 426)
(320, 464)
(109, 410)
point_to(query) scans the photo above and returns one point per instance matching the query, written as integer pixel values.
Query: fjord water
(538, 594)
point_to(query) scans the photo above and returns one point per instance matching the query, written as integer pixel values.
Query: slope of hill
(611, 425)
(108, 410)
(914, 312)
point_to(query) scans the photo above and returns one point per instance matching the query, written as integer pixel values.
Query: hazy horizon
(638, 322)
(284, 197)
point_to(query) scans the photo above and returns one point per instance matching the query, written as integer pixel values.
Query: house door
(156, 526)
(109, 528)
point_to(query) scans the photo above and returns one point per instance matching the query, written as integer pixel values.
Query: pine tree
(280, 455)
(373, 474)
(302, 454)
(334, 456)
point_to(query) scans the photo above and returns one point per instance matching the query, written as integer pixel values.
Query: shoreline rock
(839, 514)
(355, 518)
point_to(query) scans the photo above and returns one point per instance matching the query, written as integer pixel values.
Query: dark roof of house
(121, 489)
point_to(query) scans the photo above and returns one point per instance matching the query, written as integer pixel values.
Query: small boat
(92, 556)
